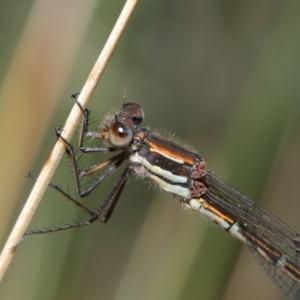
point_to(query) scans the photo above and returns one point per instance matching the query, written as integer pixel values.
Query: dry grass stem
(67, 132)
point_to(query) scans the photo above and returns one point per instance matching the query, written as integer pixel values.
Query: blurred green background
(223, 75)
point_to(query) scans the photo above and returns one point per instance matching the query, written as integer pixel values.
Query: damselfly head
(118, 128)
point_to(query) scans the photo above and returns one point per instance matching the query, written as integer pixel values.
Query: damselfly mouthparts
(184, 174)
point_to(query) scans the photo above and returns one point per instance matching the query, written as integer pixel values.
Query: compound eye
(119, 135)
(134, 112)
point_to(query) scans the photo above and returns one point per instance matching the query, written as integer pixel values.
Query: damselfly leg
(103, 213)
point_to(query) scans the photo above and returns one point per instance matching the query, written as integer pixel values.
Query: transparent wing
(274, 244)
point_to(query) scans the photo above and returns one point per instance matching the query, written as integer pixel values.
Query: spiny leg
(55, 229)
(66, 195)
(117, 161)
(114, 163)
(71, 152)
(107, 206)
(84, 131)
(111, 200)
(65, 227)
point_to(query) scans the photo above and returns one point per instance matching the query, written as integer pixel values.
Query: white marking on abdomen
(175, 189)
(197, 205)
(157, 170)
(235, 232)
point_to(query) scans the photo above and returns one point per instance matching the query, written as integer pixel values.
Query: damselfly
(183, 173)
